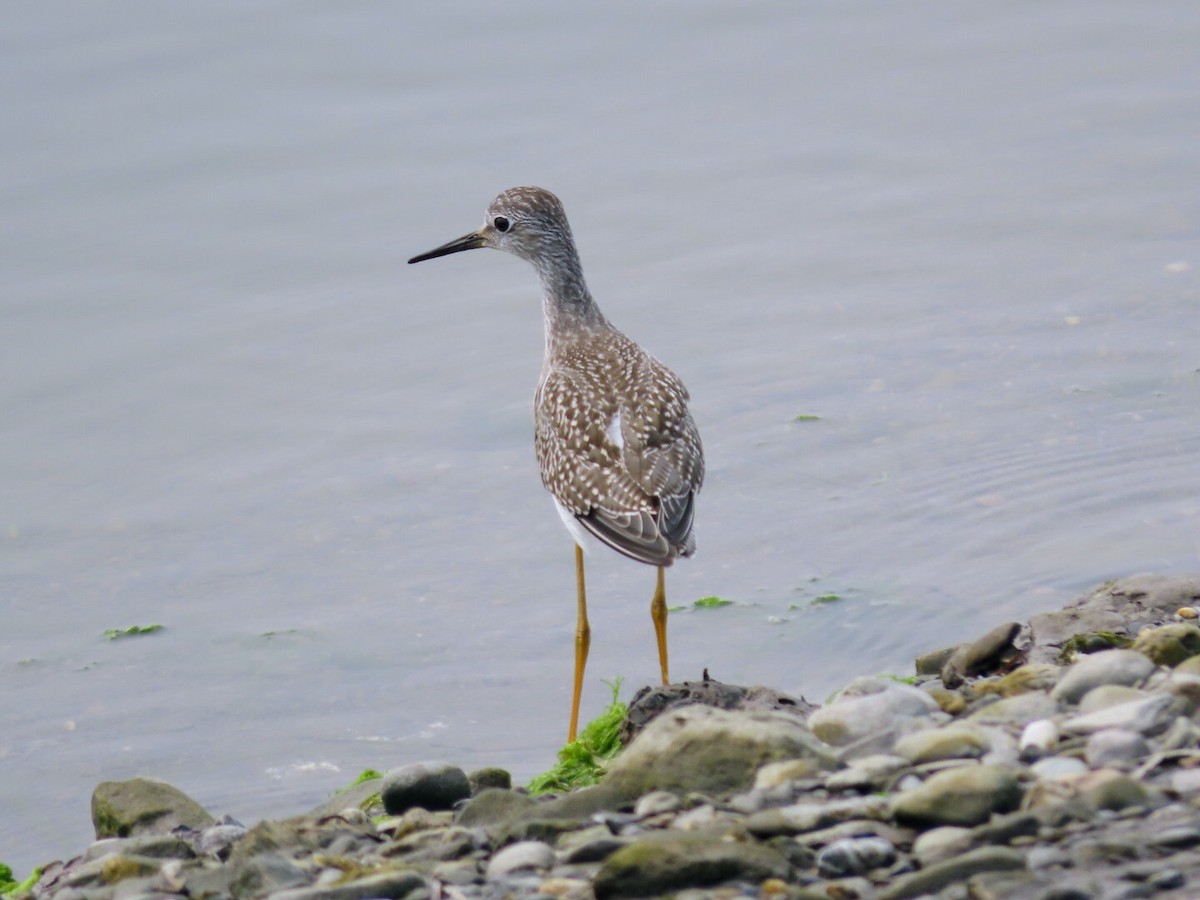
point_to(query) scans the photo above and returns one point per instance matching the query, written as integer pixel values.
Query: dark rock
(670, 861)
(144, 806)
(429, 785)
(982, 656)
(489, 777)
(855, 856)
(652, 701)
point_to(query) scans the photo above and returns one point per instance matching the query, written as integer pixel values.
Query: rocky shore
(1057, 759)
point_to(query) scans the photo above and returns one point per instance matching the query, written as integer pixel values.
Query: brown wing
(638, 496)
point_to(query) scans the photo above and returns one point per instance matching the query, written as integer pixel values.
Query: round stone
(1125, 667)
(964, 796)
(951, 742)
(1169, 645)
(1116, 748)
(429, 785)
(523, 856)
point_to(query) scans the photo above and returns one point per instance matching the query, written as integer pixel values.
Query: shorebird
(615, 442)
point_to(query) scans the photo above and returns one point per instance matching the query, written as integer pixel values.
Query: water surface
(963, 236)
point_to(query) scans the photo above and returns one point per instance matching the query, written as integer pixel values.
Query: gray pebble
(1125, 667)
(1145, 716)
(1116, 748)
(867, 706)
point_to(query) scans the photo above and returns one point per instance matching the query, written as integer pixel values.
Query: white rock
(1058, 767)
(521, 856)
(1040, 735)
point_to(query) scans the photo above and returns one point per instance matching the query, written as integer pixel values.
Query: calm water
(965, 236)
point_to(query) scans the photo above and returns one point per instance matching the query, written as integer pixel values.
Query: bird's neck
(567, 304)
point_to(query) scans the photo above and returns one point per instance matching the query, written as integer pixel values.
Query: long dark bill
(472, 241)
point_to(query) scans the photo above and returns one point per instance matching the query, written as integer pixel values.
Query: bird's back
(617, 446)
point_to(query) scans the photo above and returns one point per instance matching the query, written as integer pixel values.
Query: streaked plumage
(615, 442)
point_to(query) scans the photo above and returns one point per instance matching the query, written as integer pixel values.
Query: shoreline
(1053, 759)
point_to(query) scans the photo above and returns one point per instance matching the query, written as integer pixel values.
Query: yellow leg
(658, 613)
(583, 640)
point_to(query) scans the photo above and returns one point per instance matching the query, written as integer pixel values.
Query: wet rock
(867, 707)
(962, 796)
(1169, 645)
(1124, 667)
(652, 701)
(855, 856)
(1110, 608)
(429, 785)
(700, 748)
(144, 806)
(982, 656)
(665, 862)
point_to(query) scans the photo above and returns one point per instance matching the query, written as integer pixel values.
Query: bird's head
(528, 222)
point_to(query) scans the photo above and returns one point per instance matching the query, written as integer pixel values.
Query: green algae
(581, 762)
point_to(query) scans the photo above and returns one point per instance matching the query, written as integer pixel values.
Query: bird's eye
(500, 223)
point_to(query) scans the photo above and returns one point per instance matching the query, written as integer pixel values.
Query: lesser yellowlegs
(615, 443)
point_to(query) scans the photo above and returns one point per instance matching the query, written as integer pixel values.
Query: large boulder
(144, 806)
